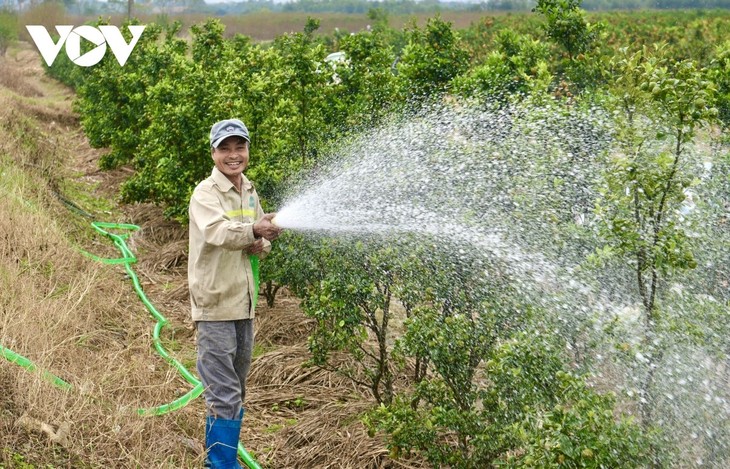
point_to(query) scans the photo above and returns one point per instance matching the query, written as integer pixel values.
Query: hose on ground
(127, 259)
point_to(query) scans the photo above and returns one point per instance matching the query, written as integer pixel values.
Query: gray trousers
(224, 358)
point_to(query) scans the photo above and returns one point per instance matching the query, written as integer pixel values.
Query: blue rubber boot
(221, 443)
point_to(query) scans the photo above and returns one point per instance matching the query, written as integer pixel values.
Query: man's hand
(256, 248)
(265, 229)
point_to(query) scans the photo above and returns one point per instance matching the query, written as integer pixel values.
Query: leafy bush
(430, 60)
(125, 89)
(8, 30)
(527, 410)
(567, 26)
(719, 73)
(519, 65)
(169, 146)
(349, 294)
(367, 89)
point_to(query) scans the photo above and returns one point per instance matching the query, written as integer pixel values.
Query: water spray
(516, 186)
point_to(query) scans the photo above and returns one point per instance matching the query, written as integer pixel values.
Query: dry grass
(48, 14)
(81, 320)
(77, 319)
(284, 326)
(18, 83)
(260, 26)
(266, 26)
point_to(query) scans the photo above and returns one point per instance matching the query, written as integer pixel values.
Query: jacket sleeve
(208, 216)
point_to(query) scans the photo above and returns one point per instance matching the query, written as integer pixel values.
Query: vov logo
(71, 36)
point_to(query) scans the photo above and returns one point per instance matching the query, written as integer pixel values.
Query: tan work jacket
(221, 226)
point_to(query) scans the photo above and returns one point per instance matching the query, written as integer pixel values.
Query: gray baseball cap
(227, 128)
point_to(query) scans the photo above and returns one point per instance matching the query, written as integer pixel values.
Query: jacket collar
(224, 184)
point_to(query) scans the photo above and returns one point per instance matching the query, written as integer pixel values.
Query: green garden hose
(28, 365)
(127, 259)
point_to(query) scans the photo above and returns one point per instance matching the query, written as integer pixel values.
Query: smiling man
(227, 226)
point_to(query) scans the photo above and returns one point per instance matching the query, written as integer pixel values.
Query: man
(227, 225)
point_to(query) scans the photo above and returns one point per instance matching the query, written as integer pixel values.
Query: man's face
(231, 157)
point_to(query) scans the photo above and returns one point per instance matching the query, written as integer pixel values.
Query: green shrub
(518, 65)
(527, 410)
(431, 59)
(719, 73)
(8, 30)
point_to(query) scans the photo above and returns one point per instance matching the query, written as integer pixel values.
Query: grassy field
(261, 26)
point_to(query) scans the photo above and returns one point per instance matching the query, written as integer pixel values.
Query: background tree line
(88, 7)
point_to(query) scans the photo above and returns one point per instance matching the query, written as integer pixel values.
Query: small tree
(719, 74)
(305, 81)
(8, 30)
(290, 98)
(124, 89)
(661, 109)
(518, 65)
(172, 150)
(567, 26)
(431, 59)
(350, 297)
(527, 410)
(367, 90)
